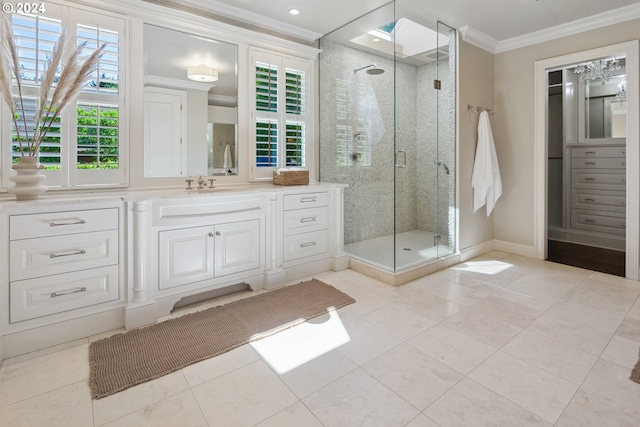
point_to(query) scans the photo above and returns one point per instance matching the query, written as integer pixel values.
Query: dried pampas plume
(75, 72)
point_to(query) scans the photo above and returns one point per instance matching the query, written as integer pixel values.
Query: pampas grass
(74, 73)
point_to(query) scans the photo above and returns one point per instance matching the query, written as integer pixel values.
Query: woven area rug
(635, 374)
(134, 357)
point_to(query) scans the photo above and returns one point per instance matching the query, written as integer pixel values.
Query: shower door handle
(404, 158)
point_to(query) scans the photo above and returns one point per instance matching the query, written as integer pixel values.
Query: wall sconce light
(202, 73)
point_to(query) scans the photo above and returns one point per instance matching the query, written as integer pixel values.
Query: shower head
(372, 69)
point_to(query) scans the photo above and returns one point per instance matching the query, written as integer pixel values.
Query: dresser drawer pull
(308, 199)
(589, 152)
(624, 151)
(306, 245)
(590, 178)
(61, 294)
(623, 163)
(590, 221)
(311, 219)
(590, 163)
(58, 224)
(623, 225)
(589, 200)
(624, 180)
(80, 252)
(623, 203)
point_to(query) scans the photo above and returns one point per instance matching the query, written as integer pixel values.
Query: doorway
(567, 218)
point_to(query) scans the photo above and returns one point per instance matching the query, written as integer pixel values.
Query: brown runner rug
(635, 374)
(131, 358)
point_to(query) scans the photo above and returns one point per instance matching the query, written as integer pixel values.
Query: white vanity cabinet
(306, 223)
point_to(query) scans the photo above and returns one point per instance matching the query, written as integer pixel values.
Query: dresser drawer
(306, 244)
(62, 254)
(598, 152)
(614, 223)
(306, 200)
(62, 292)
(598, 180)
(585, 199)
(599, 163)
(305, 220)
(60, 223)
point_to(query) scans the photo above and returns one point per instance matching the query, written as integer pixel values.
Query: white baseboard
(476, 250)
(515, 248)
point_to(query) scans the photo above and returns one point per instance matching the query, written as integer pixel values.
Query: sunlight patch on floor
(294, 347)
(483, 267)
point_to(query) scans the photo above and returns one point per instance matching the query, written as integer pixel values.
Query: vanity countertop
(57, 197)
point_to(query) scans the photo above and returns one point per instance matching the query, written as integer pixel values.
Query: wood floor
(589, 257)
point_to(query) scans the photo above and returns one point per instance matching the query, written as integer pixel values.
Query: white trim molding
(630, 50)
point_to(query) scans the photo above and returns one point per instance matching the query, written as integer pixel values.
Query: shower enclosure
(387, 129)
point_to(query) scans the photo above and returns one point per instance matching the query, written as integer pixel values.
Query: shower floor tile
(413, 247)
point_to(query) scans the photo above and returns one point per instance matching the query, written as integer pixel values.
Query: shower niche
(387, 129)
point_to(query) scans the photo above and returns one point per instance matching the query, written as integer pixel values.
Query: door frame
(630, 49)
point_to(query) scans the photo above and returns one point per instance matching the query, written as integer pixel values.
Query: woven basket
(291, 178)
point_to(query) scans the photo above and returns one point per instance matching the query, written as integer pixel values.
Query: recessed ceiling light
(294, 11)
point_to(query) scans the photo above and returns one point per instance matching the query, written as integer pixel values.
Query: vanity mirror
(190, 104)
(603, 114)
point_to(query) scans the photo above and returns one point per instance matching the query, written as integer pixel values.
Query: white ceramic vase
(27, 179)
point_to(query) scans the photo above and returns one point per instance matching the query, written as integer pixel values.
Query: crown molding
(478, 38)
(604, 19)
(167, 82)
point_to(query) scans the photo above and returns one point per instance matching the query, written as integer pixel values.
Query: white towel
(486, 182)
(228, 162)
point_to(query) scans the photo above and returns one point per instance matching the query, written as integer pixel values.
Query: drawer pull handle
(623, 203)
(307, 199)
(590, 152)
(623, 163)
(58, 224)
(624, 180)
(590, 221)
(590, 163)
(61, 294)
(590, 178)
(312, 219)
(589, 200)
(624, 151)
(80, 252)
(306, 245)
(623, 224)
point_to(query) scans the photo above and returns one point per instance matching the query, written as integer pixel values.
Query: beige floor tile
(179, 410)
(630, 329)
(536, 390)
(540, 304)
(452, 348)
(508, 311)
(484, 328)
(470, 404)
(589, 316)
(317, 373)
(243, 397)
(357, 399)
(296, 415)
(406, 370)
(366, 301)
(138, 397)
(68, 406)
(555, 357)
(422, 421)
(39, 375)
(44, 352)
(615, 280)
(432, 306)
(604, 296)
(462, 295)
(399, 320)
(612, 381)
(590, 409)
(214, 367)
(622, 351)
(366, 341)
(575, 334)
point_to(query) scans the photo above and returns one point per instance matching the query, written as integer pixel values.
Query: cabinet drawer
(59, 223)
(63, 292)
(603, 222)
(306, 200)
(598, 180)
(62, 254)
(584, 199)
(304, 220)
(599, 163)
(598, 152)
(304, 245)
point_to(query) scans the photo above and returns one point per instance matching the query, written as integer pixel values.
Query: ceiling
(492, 24)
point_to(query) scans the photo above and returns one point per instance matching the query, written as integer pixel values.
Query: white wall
(513, 123)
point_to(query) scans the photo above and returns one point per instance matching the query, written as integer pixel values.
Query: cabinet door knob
(210, 234)
(217, 233)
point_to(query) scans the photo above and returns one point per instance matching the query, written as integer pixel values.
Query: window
(280, 113)
(84, 146)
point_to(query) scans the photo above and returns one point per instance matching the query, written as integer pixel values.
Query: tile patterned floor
(500, 340)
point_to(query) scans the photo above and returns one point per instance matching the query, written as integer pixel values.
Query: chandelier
(600, 69)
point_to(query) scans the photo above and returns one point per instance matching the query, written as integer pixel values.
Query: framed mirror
(603, 114)
(190, 104)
